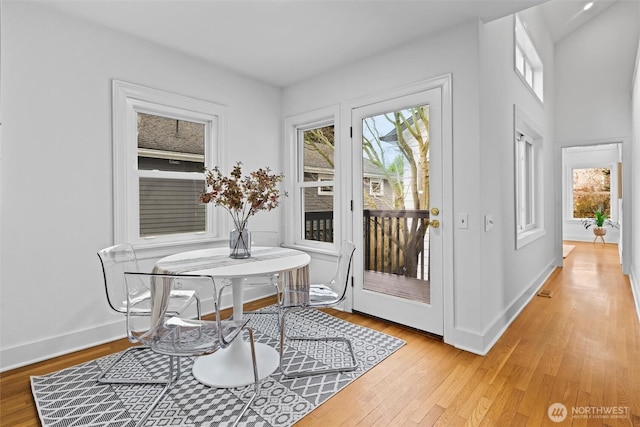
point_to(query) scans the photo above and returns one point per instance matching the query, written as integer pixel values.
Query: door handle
(434, 224)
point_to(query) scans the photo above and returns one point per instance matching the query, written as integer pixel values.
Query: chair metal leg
(157, 400)
(198, 308)
(256, 384)
(106, 380)
(304, 373)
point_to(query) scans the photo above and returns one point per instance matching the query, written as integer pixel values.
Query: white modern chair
(115, 261)
(176, 336)
(313, 297)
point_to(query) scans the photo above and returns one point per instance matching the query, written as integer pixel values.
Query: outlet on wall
(463, 220)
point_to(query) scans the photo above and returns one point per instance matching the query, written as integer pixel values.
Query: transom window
(528, 64)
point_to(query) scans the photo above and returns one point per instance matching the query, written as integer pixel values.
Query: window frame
(380, 183)
(130, 99)
(294, 126)
(528, 180)
(526, 185)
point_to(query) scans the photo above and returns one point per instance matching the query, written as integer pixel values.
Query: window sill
(161, 249)
(525, 237)
(323, 251)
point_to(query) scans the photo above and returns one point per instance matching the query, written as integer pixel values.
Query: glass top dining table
(232, 366)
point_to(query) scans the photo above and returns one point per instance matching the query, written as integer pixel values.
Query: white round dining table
(232, 366)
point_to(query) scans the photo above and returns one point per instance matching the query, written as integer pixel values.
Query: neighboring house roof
(170, 135)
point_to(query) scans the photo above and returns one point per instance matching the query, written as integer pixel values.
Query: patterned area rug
(73, 397)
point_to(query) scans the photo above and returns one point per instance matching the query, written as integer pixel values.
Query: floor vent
(545, 293)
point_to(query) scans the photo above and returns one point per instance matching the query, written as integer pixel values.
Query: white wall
(594, 67)
(56, 182)
(490, 280)
(510, 277)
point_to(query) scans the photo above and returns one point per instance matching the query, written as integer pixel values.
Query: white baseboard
(470, 341)
(47, 348)
(481, 343)
(635, 289)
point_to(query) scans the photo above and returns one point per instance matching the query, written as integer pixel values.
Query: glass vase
(240, 243)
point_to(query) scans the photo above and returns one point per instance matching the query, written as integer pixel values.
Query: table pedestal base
(232, 367)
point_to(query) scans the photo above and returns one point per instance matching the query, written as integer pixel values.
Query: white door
(397, 188)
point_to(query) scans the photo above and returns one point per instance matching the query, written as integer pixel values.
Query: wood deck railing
(319, 226)
(394, 240)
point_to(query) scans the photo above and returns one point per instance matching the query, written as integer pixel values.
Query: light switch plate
(488, 222)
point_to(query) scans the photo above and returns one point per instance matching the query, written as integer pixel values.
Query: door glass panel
(395, 165)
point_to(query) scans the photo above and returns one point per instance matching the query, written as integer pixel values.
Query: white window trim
(293, 160)
(128, 100)
(524, 125)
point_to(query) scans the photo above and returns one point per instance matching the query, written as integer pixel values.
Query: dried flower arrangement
(242, 196)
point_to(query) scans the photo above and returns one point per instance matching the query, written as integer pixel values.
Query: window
(317, 173)
(525, 182)
(376, 187)
(528, 64)
(591, 191)
(162, 142)
(528, 180)
(312, 149)
(325, 190)
(170, 151)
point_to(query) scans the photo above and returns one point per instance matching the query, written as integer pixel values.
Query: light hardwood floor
(581, 348)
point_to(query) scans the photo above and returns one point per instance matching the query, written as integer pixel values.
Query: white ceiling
(282, 42)
(565, 16)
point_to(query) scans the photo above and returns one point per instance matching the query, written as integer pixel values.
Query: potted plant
(599, 220)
